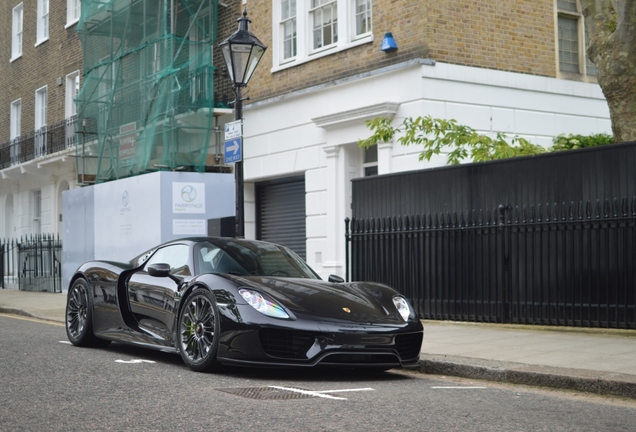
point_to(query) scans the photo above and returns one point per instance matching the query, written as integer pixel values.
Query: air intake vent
(286, 343)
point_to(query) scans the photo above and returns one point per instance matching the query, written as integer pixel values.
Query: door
(152, 299)
(281, 216)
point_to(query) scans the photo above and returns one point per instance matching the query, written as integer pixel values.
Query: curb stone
(543, 376)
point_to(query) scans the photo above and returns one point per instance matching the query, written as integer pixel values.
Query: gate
(33, 263)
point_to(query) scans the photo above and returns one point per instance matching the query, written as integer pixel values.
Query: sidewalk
(592, 360)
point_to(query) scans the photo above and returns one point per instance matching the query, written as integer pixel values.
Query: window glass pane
(325, 23)
(371, 154)
(289, 39)
(40, 107)
(288, 21)
(288, 9)
(16, 27)
(37, 212)
(568, 45)
(176, 256)
(567, 5)
(363, 16)
(16, 114)
(77, 4)
(43, 20)
(371, 171)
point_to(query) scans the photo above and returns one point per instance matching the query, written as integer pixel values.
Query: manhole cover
(268, 393)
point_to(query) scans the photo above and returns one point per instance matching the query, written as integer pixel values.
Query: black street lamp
(241, 51)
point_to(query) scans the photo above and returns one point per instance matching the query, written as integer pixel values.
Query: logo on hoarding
(188, 194)
(124, 203)
(188, 197)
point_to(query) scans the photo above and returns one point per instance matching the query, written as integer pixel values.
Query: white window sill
(71, 23)
(15, 58)
(324, 52)
(40, 42)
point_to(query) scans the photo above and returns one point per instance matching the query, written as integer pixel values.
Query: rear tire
(198, 331)
(79, 316)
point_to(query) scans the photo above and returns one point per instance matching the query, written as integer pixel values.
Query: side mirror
(162, 270)
(335, 279)
(159, 270)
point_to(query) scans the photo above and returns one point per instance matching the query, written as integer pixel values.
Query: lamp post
(241, 51)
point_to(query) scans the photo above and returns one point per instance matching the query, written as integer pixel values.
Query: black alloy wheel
(199, 330)
(79, 316)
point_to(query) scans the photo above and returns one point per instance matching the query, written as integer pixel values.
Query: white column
(332, 263)
(385, 158)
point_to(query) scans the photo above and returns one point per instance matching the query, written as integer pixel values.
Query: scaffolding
(147, 99)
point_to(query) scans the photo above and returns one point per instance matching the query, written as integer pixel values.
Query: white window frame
(17, 31)
(370, 161)
(73, 11)
(585, 64)
(71, 91)
(42, 22)
(41, 102)
(346, 33)
(16, 119)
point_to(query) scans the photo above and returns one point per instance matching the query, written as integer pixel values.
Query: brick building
(517, 67)
(40, 73)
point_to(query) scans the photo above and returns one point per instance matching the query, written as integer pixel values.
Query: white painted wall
(17, 219)
(315, 132)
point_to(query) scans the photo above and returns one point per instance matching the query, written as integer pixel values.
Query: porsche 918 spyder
(219, 301)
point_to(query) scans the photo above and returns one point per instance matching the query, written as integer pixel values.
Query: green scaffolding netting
(146, 102)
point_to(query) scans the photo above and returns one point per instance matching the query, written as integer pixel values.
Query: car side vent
(408, 345)
(286, 343)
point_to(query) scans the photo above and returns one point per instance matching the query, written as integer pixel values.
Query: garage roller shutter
(281, 213)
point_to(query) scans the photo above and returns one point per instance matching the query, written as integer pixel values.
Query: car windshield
(245, 257)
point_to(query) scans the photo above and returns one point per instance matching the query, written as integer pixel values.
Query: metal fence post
(503, 265)
(2, 264)
(347, 240)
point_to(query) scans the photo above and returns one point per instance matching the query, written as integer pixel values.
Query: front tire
(79, 317)
(199, 330)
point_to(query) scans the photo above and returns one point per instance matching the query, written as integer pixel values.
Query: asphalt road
(48, 384)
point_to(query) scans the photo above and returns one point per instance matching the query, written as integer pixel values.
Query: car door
(152, 299)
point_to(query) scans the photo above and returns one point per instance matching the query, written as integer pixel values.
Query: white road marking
(321, 393)
(458, 387)
(66, 342)
(135, 361)
(345, 390)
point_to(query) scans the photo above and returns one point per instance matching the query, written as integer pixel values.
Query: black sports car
(233, 301)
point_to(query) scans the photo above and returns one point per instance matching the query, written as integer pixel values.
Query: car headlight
(262, 304)
(403, 307)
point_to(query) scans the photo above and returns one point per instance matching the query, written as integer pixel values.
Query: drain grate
(268, 393)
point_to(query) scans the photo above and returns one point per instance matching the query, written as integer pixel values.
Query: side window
(176, 256)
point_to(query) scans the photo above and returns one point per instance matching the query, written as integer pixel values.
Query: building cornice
(384, 109)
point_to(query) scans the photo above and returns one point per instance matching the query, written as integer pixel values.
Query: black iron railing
(553, 264)
(42, 142)
(31, 263)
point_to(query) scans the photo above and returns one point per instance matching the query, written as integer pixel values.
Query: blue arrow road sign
(234, 150)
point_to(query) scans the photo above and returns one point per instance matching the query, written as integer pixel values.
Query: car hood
(359, 302)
